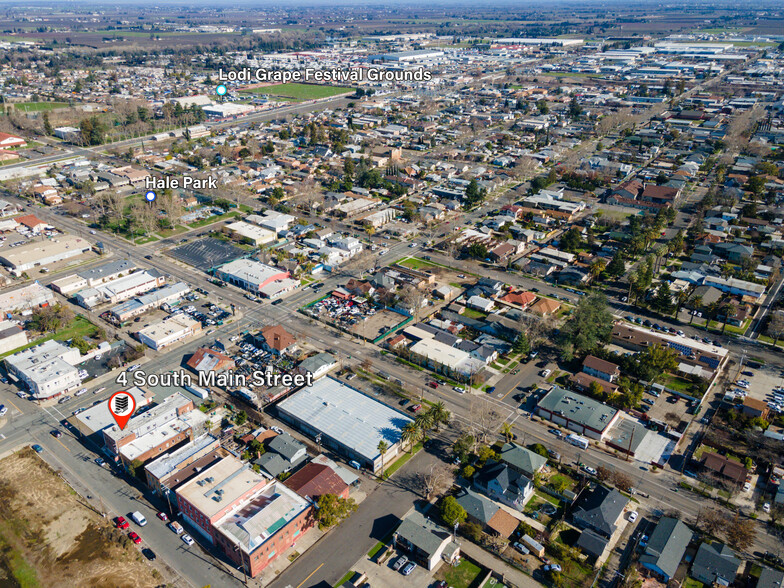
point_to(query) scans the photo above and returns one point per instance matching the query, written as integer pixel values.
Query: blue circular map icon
(150, 196)
(221, 90)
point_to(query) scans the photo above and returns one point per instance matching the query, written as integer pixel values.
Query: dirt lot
(48, 537)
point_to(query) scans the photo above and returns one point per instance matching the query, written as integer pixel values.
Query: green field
(78, 327)
(299, 92)
(39, 106)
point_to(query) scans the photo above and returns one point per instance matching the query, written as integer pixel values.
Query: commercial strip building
(12, 336)
(25, 298)
(257, 277)
(40, 253)
(46, 370)
(170, 471)
(155, 432)
(168, 331)
(91, 278)
(577, 413)
(348, 422)
(251, 518)
(92, 422)
(120, 289)
(137, 306)
(692, 351)
(253, 234)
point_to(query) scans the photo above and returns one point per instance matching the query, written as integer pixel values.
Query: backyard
(465, 575)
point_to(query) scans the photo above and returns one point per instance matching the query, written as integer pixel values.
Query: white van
(139, 519)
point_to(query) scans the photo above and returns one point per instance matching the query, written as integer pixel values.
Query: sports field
(38, 106)
(300, 92)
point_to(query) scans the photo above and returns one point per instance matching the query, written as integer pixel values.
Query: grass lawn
(474, 314)
(691, 583)
(345, 578)
(170, 232)
(39, 106)
(147, 239)
(78, 327)
(462, 576)
(300, 92)
(415, 263)
(213, 219)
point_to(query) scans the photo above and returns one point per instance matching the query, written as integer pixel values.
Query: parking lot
(760, 382)
(359, 317)
(206, 253)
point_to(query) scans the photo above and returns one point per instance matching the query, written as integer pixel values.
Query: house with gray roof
(521, 459)
(715, 563)
(425, 542)
(665, 548)
(770, 578)
(591, 543)
(504, 484)
(599, 509)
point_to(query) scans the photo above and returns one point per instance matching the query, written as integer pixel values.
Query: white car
(80, 392)
(278, 430)
(545, 373)
(766, 507)
(589, 470)
(459, 389)
(3, 410)
(632, 516)
(187, 539)
(134, 367)
(747, 486)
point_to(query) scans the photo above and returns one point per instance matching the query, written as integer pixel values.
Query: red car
(433, 385)
(416, 408)
(162, 516)
(121, 523)
(134, 537)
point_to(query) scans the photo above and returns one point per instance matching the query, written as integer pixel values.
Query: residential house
(599, 368)
(502, 483)
(665, 549)
(492, 518)
(277, 340)
(522, 460)
(425, 542)
(600, 509)
(724, 467)
(715, 563)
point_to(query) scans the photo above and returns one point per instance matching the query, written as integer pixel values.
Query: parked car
(401, 561)
(56, 433)
(148, 553)
(134, 537)
(162, 516)
(632, 516)
(121, 523)
(545, 373)
(521, 548)
(99, 461)
(589, 470)
(175, 527)
(3, 410)
(552, 568)
(409, 568)
(187, 539)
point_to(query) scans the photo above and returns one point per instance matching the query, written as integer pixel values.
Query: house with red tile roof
(315, 480)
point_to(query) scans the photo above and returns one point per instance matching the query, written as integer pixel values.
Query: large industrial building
(25, 298)
(41, 253)
(168, 331)
(349, 422)
(577, 413)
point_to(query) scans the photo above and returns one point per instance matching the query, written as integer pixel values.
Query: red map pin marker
(122, 405)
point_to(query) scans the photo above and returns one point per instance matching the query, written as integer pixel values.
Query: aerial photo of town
(338, 294)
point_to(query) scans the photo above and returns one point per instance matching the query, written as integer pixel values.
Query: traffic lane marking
(308, 578)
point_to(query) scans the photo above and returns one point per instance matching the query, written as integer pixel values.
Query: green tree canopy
(589, 326)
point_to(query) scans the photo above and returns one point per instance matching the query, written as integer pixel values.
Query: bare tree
(436, 479)
(776, 326)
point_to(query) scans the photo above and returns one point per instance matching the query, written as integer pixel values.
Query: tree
(617, 267)
(506, 431)
(604, 474)
(331, 509)
(571, 240)
(468, 472)
(382, 449)
(622, 482)
(589, 326)
(241, 418)
(662, 301)
(473, 531)
(452, 512)
(539, 449)
(711, 520)
(521, 344)
(595, 390)
(655, 360)
(473, 194)
(740, 533)
(439, 415)
(410, 435)
(775, 327)
(477, 251)
(48, 129)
